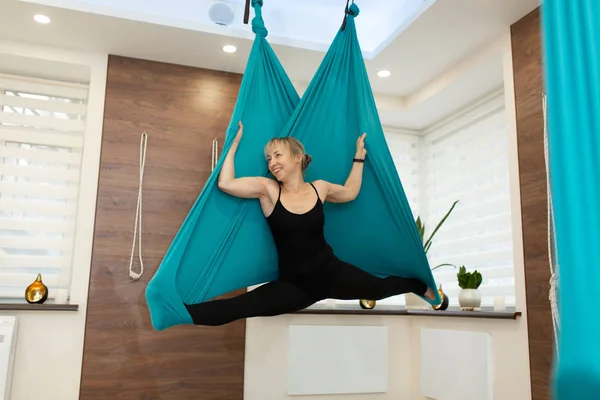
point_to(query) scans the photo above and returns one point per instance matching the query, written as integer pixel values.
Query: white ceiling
(451, 35)
(308, 24)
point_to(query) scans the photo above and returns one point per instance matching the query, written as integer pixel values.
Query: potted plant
(413, 301)
(469, 297)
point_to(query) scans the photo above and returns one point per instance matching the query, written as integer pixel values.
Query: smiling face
(285, 157)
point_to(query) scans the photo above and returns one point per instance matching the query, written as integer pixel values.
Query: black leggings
(343, 281)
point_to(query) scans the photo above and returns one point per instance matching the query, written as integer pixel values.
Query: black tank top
(299, 238)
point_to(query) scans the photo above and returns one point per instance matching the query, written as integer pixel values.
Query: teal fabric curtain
(376, 231)
(571, 45)
(225, 244)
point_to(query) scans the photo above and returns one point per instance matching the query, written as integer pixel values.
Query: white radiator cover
(337, 360)
(456, 365)
(8, 343)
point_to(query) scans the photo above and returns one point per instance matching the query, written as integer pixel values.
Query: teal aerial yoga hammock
(571, 32)
(225, 243)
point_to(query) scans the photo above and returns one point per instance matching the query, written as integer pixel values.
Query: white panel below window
(337, 360)
(456, 365)
(8, 340)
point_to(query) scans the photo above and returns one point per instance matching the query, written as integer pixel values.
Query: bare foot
(430, 294)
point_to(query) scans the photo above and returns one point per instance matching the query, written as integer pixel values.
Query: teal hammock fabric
(571, 32)
(225, 244)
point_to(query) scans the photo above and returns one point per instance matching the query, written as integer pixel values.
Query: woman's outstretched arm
(247, 187)
(348, 192)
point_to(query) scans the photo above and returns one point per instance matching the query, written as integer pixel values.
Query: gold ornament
(37, 292)
(444, 304)
(367, 304)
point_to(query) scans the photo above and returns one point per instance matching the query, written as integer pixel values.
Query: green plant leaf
(443, 265)
(468, 280)
(462, 277)
(428, 243)
(478, 279)
(427, 247)
(420, 228)
(472, 281)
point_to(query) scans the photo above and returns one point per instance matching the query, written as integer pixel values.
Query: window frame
(64, 276)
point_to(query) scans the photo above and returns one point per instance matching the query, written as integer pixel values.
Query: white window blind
(471, 165)
(42, 127)
(405, 153)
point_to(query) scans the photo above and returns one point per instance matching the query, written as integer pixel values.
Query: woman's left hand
(361, 152)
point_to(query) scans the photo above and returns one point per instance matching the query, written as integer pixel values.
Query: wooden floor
(182, 110)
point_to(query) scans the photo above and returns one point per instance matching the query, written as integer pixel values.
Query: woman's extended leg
(273, 298)
(349, 282)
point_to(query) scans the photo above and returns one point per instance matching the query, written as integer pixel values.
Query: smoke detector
(221, 13)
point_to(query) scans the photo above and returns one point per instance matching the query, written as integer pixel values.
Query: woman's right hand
(245, 187)
(240, 131)
(361, 152)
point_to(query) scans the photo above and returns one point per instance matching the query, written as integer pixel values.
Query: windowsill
(484, 312)
(38, 307)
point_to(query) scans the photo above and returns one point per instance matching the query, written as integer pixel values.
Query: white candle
(499, 304)
(61, 296)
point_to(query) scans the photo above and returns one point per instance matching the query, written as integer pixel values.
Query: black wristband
(362, 160)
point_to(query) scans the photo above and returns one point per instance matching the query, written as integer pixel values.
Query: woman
(309, 271)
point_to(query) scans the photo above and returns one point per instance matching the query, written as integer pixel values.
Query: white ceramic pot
(469, 299)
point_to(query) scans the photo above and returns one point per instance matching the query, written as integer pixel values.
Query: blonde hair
(293, 145)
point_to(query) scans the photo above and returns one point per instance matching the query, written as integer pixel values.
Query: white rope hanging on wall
(551, 234)
(138, 212)
(215, 156)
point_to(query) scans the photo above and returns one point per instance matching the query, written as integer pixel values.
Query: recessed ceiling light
(42, 19)
(384, 73)
(229, 49)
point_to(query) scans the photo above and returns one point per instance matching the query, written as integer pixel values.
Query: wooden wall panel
(529, 86)
(182, 109)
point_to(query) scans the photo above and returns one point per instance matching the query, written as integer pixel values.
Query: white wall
(267, 351)
(50, 344)
(267, 346)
